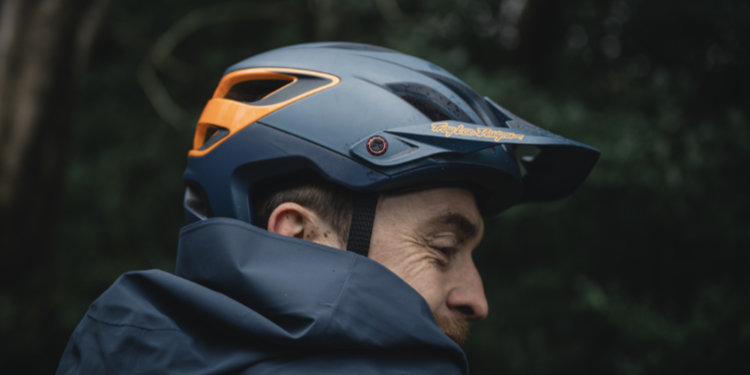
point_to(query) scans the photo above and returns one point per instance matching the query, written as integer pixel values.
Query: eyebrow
(464, 228)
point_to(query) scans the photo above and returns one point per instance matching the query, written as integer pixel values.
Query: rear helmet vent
(429, 102)
(213, 134)
(255, 90)
(195, 201)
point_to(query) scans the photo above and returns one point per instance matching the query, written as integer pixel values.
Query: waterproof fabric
(246, 301)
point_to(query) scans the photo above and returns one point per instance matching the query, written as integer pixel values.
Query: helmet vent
(429, 102)
(255, 90)
(477, 104)
(196, 202)
(213, 134)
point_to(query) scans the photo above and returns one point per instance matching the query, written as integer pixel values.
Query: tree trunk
(43, 44)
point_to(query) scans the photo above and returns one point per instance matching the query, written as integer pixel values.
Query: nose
(467, 296)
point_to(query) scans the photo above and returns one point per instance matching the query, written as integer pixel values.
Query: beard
(456, 329)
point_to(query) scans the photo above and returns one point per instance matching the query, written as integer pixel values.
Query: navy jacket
(247, 301)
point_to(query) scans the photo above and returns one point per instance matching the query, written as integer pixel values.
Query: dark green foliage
(641, 271)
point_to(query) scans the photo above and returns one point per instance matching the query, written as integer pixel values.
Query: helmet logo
(449, 130)
(377, 145)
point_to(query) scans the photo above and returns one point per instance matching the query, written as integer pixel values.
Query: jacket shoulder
(129, 327)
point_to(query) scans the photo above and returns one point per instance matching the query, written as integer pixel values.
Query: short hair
(333, 204)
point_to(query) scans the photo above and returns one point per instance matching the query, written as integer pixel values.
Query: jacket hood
(306, 291)
(248, 301)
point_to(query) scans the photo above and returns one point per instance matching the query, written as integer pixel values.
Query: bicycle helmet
(372, 120)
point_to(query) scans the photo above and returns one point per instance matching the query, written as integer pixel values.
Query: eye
(444, 255)
(448, 251)
(444, 246)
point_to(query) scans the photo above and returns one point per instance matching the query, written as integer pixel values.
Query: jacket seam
(126, 325)
(336, 301)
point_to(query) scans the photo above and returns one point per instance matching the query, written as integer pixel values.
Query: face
(427, 238)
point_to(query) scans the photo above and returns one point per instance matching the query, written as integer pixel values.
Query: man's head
(426, 237)
(400, 146)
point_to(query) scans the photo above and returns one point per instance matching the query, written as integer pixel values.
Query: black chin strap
(360, 229)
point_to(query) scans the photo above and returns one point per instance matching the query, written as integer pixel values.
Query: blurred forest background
(644, 270)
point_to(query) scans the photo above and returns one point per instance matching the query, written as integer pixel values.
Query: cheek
(430, 285)
(419, 271)
(408, 259)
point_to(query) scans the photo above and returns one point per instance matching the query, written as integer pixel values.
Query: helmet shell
(369, 119)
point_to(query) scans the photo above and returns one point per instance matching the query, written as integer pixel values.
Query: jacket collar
(313, 293)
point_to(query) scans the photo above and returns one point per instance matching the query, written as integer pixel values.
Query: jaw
(455, 328)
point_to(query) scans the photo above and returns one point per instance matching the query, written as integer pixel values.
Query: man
(304, 152)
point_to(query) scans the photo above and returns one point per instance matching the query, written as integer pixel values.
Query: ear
(289, 219)
(292, 220)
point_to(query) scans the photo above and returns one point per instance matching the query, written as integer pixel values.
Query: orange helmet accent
(233, 115)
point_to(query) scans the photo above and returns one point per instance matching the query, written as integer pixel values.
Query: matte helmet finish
(369, 119)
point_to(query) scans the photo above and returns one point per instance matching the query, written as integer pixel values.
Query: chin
(455, 328)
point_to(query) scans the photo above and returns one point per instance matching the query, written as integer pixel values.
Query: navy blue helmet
(371, 120)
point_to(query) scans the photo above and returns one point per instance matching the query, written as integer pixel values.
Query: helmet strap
(360, 229)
